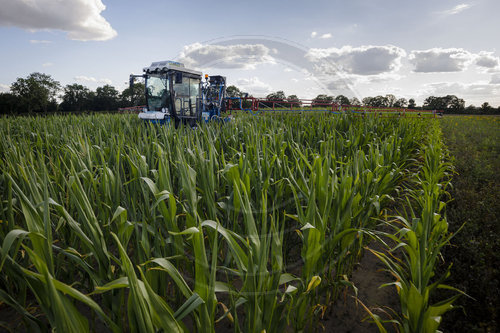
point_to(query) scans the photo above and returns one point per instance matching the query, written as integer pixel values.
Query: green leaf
(168, 267)
(189, 305)
(188, 231)
(119, 283)
(9, 240)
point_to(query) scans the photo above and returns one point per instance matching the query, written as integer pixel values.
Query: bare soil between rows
(348, 315)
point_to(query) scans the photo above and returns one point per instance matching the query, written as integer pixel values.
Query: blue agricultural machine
(179, 95)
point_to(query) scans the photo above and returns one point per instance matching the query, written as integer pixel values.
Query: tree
(36, 92)
(342, 100)
(455, 104)
(367, 101)
(400, 103)
(277, 96)
(434, 103)
(134, 97)
(411, 104)
(76, 98)
(449, 103)
(106, 98)
(390, 100)
(377, 102)
(233, 91)
(471, 109)
(9, 103)
(322, 100)
(294, 101)
(486, 108)
(354, 101)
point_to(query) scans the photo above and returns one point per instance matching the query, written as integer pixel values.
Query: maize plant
(419, 235)
(110, 224)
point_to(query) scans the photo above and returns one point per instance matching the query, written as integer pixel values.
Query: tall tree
(295, 102)
(434, 103)
(106, 98)
(390, 100)
(455, 104)
(411, 104)
(400, 103)
(322, 99)
(233, 91)
(277, 96)
(9, 103)
(471, 109)
(342, 100)
(76, 97)
(485, 107)
(449, 103)
(37, 92)
(367, 101)
(378, 101)
(354, 101)
(135, 96)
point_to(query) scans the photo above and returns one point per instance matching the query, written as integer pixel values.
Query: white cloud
(363, 60)
(495, 79)
(47, 64)
(254, 86)
(243, 56)
(81, 19)
(287, 70)
(337, 85)
(37, 41)
(440, 60)
(487, 60)
(474, 92)
(4, 87)
(82, 78)
(457, 9)
(314, 34)
(382, 77)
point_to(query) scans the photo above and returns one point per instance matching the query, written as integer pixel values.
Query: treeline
(449, 103)
(39, 92)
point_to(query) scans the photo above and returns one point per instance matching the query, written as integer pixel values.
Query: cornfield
(108, 224)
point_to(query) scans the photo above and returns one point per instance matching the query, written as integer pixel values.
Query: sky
(412, 49)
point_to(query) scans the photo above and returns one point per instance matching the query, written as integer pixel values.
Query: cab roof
(168, 65)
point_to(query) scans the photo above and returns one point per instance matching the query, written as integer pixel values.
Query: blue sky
(411, 49)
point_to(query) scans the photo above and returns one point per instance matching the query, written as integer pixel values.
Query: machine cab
(172, 91)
